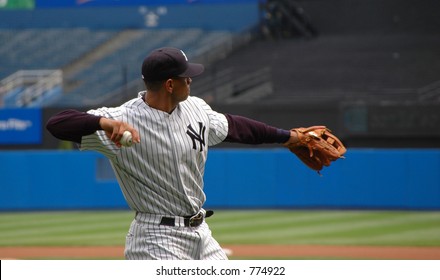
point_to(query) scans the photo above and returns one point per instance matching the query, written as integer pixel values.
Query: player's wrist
(293, 138)
(106, 124)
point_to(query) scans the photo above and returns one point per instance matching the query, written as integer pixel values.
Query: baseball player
(161, 175)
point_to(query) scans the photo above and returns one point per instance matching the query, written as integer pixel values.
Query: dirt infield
(238, 251)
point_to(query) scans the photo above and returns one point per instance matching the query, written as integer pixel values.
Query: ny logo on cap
(184, 55)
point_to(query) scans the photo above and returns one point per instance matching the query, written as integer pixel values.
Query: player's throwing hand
(115, 130)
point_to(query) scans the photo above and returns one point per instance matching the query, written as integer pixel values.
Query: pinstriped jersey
(163, 174)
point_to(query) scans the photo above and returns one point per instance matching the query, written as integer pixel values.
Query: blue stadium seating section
(10, 99)
(58, 48)
(123, 65)
(56, 37)
(46, 48)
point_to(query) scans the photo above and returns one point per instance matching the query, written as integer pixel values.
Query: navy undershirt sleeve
(248, 131)
(72, 125)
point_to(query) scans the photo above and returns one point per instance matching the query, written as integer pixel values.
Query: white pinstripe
(163, 175)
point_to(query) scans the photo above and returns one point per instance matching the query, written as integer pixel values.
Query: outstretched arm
(247, 131)
(72, 125)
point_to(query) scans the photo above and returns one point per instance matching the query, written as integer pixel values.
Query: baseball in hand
(126, 139)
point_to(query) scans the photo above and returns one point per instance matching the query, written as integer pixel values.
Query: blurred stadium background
(368, 69)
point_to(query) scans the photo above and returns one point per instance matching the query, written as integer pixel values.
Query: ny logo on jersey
(199, 136)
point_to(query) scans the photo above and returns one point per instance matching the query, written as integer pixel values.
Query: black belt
(189, 221)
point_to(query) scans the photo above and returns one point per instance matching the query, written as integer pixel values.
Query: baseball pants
(147, 239)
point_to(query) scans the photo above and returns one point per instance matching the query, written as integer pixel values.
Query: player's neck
(160, 102)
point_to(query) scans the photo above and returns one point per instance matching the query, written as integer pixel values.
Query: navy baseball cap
(167, 62)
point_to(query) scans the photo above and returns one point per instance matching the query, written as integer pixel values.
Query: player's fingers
(113, 129)
(116, 138)
(118, 131)
(135, 135)
(109, 135)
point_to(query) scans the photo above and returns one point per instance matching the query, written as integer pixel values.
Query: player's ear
(169, 85)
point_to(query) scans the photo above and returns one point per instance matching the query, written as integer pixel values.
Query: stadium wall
(234, 178)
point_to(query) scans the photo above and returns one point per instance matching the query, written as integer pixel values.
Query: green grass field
(89, 228)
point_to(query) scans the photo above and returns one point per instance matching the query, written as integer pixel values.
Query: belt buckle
(196, 220)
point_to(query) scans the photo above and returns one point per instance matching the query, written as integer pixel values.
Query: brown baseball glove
(316, 146)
